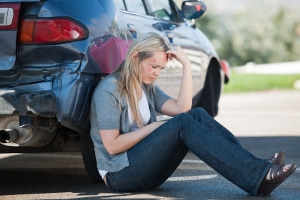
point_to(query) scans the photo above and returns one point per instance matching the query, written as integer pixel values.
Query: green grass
(259, 82)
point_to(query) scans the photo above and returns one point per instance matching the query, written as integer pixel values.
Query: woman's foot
(276, 175)
(278, 158)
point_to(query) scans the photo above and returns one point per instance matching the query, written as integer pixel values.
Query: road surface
(264, 123)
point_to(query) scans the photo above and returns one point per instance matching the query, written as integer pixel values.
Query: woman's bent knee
(199, 110)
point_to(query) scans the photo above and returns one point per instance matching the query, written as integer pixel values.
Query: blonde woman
(134, 152)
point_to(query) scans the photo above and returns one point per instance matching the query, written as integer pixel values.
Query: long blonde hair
(130, 81)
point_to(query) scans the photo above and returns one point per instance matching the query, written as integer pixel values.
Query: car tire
(211, 91)
(88, 156)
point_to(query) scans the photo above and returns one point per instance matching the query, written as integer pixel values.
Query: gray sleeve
(107, 108)
(160, 97)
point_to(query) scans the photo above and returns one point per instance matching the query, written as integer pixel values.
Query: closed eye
(154, 67)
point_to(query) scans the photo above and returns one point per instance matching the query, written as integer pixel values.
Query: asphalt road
(264, 123)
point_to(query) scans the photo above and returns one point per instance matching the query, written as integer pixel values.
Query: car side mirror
(193, 9)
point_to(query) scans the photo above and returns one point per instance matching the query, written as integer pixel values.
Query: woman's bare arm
(115, 143)
(183, 103)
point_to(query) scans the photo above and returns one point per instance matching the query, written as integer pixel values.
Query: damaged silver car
(54, 52)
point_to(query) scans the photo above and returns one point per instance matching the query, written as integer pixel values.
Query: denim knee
(198, 110)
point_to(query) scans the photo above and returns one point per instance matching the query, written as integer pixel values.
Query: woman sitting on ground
(135, 152)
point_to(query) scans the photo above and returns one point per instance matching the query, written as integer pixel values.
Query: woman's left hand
(178, 53)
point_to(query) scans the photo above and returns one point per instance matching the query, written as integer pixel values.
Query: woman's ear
(134, 55)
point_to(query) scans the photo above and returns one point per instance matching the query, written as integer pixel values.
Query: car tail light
(51, 30)
(226, 69)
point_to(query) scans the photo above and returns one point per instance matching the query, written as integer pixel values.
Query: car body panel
(65, 71)
(50, 85)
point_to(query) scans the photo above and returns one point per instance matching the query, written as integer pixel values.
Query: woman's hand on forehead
(178, 53)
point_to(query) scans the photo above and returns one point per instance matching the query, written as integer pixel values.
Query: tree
(248, 37)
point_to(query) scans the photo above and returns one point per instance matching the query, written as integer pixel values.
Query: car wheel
(211, 92)
(88, 156)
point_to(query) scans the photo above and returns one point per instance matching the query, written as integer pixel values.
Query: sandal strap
(278, 158)
(274, 172)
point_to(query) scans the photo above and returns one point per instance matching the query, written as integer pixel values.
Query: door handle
(169, 35)
(132, 29)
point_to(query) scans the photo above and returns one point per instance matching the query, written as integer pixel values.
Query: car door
(163, 17)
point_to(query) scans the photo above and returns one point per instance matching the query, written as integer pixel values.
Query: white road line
(193, 161)
(201, 162)
(192, 178)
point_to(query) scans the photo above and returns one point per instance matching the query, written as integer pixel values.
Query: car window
(120, 4)
(178, 2)
(136, 6)
(160, 9)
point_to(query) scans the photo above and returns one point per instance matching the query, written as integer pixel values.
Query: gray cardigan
(106, 115)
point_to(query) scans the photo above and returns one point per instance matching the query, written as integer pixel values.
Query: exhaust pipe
(8, 135)
(26, 131)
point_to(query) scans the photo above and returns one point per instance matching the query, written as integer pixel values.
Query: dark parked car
(54, 52)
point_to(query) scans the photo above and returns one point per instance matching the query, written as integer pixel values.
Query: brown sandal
(276, 177)
(278, 158)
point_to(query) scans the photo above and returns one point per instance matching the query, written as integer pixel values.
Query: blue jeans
(154, 159)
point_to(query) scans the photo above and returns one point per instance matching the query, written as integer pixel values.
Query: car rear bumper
(41, 103)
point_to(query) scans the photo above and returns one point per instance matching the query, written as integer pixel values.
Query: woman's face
(151, 67)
